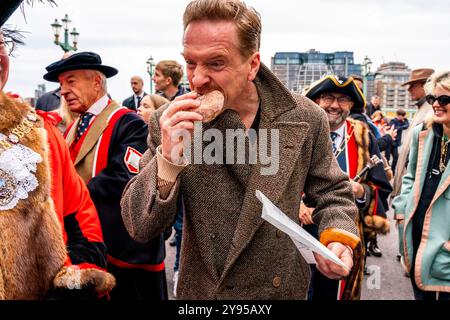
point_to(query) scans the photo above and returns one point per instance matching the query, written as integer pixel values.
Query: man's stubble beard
(336, 124)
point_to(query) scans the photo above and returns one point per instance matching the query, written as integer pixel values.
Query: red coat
(72, 202)
(76, 212)
(55, 224)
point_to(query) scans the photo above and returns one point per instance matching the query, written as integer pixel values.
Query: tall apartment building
(297, 70)
(388, 79)
(370, 86)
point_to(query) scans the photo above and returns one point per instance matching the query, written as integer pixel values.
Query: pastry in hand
(211, 105)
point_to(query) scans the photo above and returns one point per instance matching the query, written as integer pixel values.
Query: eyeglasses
(328, 99)
(7, 47)
(442, 100)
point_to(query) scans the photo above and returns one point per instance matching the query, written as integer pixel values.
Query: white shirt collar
(99, 105)
(341, 130)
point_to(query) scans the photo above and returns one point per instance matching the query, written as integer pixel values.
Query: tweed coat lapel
(70, 135)
(275, 101)
(98, 126)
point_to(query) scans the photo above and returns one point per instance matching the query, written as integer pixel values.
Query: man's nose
(335, 103)
(64, 89)
(200, 77)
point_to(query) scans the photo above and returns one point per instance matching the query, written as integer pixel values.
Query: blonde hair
(248, 20)
(67, 116)
(441, 79)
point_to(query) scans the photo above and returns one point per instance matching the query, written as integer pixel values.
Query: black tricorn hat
(334, 83)
(7, 8)
(78, 61)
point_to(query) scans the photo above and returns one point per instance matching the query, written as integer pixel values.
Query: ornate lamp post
(367, 65)
(66, 46)
(150, 69)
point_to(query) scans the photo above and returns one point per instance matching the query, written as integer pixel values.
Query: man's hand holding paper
(331, 269)
(334, 260)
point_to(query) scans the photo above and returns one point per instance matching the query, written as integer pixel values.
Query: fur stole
(32, 249)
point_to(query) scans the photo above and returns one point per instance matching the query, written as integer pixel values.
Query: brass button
(276, 281)
(279, 233)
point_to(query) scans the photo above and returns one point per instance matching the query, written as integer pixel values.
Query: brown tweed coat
(228, 251)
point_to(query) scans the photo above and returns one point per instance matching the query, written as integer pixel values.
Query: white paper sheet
(305, 242)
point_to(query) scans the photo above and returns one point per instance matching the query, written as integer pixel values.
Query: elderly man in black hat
(106, 143)
(353, 146)
(51, 240)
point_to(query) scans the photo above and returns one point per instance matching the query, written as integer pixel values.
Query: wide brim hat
(78, 61)
(419, 75)
(334, 83)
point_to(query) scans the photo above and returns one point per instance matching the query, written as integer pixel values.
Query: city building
(370, 86)
(297, 70)
(388, 79)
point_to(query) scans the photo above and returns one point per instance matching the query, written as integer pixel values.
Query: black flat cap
(334, 83)
(78, 61)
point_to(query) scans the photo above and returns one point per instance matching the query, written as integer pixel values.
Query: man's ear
(98, 82)
(169, 81)
(255, 63)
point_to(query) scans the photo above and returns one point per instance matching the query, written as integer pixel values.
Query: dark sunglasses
(442, 100)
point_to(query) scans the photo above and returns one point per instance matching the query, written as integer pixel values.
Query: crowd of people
(91, 188)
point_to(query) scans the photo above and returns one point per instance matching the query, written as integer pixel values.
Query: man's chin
(75, 107)
(336, 122)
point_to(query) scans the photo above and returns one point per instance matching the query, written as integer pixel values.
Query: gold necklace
(343, 144)
(444, 149)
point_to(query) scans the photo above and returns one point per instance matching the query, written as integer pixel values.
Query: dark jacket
(181, 90)
(106, 187)
(400, 126)
(130, 102)
(49, 101)
(370, 109)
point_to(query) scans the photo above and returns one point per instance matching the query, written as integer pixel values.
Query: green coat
(432, 267)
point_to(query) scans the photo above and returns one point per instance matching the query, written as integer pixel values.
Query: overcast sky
(126, 33)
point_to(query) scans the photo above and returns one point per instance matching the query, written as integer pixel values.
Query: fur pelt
(371, 222)
(361, 134)
(380, 224)
(74, 278)
(32, 249)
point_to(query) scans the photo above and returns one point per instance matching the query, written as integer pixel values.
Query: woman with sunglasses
(422, 208)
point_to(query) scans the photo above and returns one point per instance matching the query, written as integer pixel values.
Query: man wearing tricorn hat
(353, 146)
(417, 93)
(50, 236)
(106, 143)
